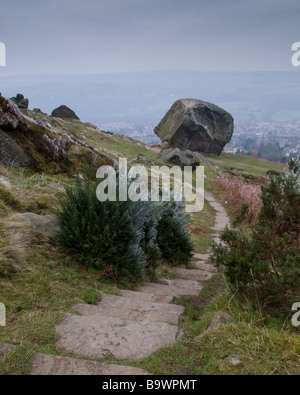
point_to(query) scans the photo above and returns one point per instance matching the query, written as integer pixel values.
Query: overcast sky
(101, 36)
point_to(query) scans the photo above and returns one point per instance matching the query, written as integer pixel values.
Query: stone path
(48, 365)
(130, 326)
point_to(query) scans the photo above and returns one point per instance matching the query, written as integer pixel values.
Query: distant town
(277, 142)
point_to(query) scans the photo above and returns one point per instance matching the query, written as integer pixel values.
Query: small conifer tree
(264, 264)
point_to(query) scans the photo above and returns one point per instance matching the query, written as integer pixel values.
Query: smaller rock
(6, 348)
(64, 112)
(221, 318)
(47, 224)
(144, 159)
(185, 158)
(234, 360)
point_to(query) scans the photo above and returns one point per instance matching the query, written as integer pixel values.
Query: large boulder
(197, 126)
(64, 112)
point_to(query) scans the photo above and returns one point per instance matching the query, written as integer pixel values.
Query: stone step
(192, 274)
(209, 197)
(147, 297)
(181, 284)
(217, 207)
(131, 314)
(133, 310)
(202, 257)
(49, 365)
(205, 267)
(109, 337)
(174, 290)
(222, 218)
(220, 227)
(120, 301)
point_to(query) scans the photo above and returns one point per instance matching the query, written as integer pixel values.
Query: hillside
(116, 146)
(47, 282)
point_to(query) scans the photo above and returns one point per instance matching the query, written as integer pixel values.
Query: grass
(245, 165)
(203, 221)
(112, 145)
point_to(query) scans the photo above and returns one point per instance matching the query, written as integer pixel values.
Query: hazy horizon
(144, 97)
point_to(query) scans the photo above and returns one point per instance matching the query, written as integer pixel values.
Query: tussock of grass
(15, 240)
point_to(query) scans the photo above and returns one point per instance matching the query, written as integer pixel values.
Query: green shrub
(174, 237)
(264, 263)
(126, 239)
(100, 234)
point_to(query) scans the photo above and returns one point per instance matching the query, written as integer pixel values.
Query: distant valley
(134, 103)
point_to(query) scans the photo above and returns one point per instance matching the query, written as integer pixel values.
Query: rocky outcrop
(197, 126)
(20, 101)
(10, 116)
(64, 112)
(185, 158)
(11, 154)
